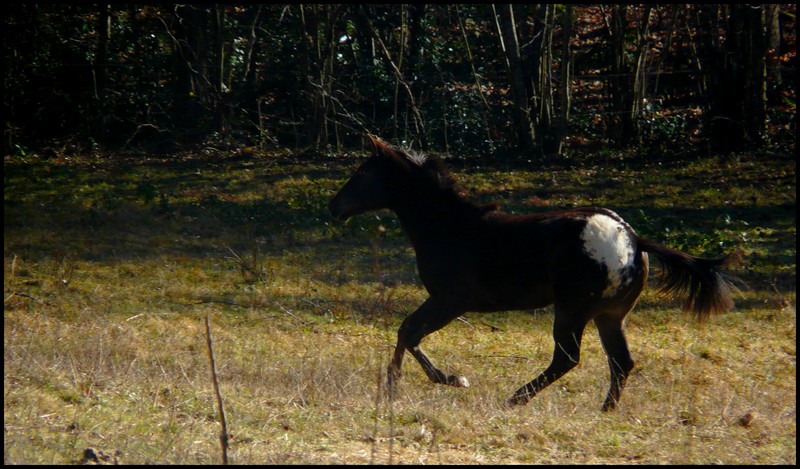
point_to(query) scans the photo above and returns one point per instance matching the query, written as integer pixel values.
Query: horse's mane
(432, 172)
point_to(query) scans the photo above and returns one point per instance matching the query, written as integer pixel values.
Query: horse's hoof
(609, 407)
(391, 390)
(392, 378)
(458, 381)
(515, 401)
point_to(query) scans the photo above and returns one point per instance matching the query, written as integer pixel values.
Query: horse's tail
(707, 292)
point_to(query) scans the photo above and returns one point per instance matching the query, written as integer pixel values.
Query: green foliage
(666, 132)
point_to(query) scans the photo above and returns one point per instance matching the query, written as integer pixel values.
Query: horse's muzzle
(337, 209)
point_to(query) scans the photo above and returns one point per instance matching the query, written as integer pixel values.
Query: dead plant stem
(223, 435)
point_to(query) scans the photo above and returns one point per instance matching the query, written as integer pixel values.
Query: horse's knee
(565, 364)
(629, 366)
(623, 366)
(566, 357)
(409, 335)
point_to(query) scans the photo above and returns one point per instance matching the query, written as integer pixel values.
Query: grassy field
(111, 266)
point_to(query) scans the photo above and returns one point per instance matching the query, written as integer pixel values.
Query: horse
(587, 262)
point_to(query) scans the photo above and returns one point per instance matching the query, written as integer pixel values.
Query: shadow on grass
(117, 212)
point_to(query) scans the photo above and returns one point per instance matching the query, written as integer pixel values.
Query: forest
(511, 81)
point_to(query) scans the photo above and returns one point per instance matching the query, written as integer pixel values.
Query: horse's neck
(428, 222)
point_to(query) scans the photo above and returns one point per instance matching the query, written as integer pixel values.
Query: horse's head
(373, 184)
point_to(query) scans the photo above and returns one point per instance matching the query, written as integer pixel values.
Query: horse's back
(529, 261)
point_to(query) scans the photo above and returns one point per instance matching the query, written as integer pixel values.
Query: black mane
(433, 172)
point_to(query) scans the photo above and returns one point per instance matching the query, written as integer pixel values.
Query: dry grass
(104, 346)
(118, 372)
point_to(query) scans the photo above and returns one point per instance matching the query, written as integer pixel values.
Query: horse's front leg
(429, 317)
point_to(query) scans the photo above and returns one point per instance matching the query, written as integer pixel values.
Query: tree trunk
(415, 13)
(507, 33)
(397, 98)
(621, 124)
(313, 120)
(667, 45)
(99, 72)
(565, 70)
(640, 71)
(544, 117)
(755, 82)
(317, 51)
(737, 111)
(628, 81)
(245, 88)
(476, 77)
(419, 125)
(772, 18)
(726, 110)
(193, 96)
(221, 104)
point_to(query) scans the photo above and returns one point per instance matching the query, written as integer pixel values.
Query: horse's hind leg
(619, 357)
(429, 317)
(567, 334)
(612, 336)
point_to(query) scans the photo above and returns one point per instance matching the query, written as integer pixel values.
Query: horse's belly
(489, 280)
(483, 291)
(536, 298)
(518, 293)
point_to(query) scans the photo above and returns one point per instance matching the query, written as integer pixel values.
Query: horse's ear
(378, 145)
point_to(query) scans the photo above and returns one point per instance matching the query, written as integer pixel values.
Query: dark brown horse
(587, 262)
